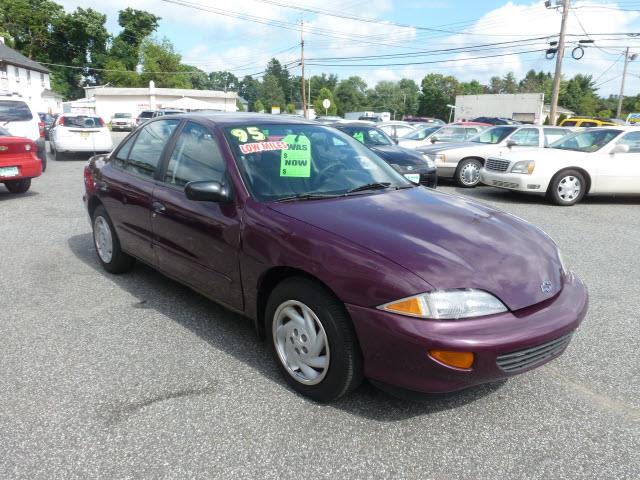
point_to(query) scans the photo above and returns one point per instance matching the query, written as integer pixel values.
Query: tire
(18, 186)
(567, 188)
(43, 160)
(51, 147)
(330, 320)
(468, 173)
(58, 156)
(107, 245)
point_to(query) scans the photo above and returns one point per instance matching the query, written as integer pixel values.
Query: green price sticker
(359, 136)
(295, 161)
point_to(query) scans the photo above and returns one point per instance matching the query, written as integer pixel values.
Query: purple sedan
(347, 268)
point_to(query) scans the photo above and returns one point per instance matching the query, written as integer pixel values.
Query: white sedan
(595, 161)
(76, 133)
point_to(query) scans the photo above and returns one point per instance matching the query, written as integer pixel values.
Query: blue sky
(217, 42)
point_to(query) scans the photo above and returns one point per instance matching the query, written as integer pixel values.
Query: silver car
(463, 161)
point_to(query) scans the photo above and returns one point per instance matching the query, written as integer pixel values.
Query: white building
(27, 78)
(106, 101)
(524, 107)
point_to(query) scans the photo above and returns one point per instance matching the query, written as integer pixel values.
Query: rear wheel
(312, 340)
(105, 239)
(567, 188)
(468, 173)
(18, 186)
(58, 156)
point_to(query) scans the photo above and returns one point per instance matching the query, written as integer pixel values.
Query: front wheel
(18, 186)
(312, 340)
(567, 188)
(111, 256)
(468, 173)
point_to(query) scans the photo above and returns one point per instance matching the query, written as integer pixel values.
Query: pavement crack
(124, 411)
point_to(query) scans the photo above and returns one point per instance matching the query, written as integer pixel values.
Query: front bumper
(395, 347)
(29, 166)
(514, 181)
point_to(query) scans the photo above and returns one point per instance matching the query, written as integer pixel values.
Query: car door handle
(158, 207)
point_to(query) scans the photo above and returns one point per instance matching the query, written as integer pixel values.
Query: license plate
(413, 177)
(9, 172)
(84, 134)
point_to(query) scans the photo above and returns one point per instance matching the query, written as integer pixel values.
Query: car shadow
(234, 334)
(6, 195)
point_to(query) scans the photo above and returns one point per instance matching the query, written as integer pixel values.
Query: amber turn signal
(453, 359)
(409, 306)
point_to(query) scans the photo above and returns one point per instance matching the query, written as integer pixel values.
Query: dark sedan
(346, 267)
(413, 165)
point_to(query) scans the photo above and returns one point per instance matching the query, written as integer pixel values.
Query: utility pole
(627, 59)
(304, 93)
(559, 56)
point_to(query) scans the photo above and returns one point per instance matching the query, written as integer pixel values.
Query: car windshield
(279, 162)
(421, 133)
(586, 141)
(12, 111)
(493, 135)
(122, 115)
(371, 137)
(82, 121)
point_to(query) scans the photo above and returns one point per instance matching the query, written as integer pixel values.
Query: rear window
(122, 115)
(12, 111)
(146, 114)
(82, 121)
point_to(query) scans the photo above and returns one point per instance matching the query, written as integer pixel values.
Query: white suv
(22, 120)
(79, 133)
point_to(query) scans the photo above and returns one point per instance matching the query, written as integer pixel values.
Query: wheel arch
(94, 202)
(585, 174)
(269, 280)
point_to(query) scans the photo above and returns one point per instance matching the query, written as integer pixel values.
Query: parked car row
(346, 267)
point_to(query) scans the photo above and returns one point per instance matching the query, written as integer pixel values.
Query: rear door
(127, 184)
(197, 242)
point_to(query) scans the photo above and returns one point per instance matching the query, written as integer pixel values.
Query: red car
(19, 162)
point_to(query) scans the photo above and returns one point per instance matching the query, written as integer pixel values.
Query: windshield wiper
(307, 196)
(369, 186)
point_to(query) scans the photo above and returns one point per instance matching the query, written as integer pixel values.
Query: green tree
(224, 81)
(136, 25)
(162, 64)
(473, 87)
(438, 91)
(350, 95)
(410, 93)
(239, 106)
(509, 83)
(249, 89)
(579, 95)
(323, 81)
(317, 103)
(281, 74)
(258, 107)
(270, 92)
(291, 108)
(496, 85)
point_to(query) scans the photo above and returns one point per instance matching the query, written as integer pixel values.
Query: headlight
(524, 167)
(440, 157)
(447, 305)
(429, 161)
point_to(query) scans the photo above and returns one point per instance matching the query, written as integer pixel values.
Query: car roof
(241, 118)
(353, 124)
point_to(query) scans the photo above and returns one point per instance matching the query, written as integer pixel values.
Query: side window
(633, 140)
(402, 131)
(588, 124)
(553, 134)
(529, 137)
(469, 132)
(120, 159)
(146, 151)
(195, 157)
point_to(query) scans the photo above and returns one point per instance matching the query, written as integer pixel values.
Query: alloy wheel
(103, 239)
(470, 174)
(569, 188)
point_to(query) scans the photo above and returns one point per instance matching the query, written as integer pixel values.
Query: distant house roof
(13, 57)
(169, 92)
(559, 109)
(50, 93)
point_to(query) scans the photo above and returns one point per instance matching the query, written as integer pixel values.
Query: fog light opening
(453, 359)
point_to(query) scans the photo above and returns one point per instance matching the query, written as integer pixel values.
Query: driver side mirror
(207, 191)
(434, 139)
(511, 143)
(620, 148)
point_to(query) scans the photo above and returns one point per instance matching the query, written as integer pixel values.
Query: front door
(620, 172)
(197, 242)
(127, 185)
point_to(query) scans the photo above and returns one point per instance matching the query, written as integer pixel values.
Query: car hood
(555, 154)
(448, 241)
(399, 155)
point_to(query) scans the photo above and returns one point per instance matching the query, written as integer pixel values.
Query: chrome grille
(514, 361)
(497, 165)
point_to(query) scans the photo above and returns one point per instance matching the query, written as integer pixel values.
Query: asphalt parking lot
(136, 376)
